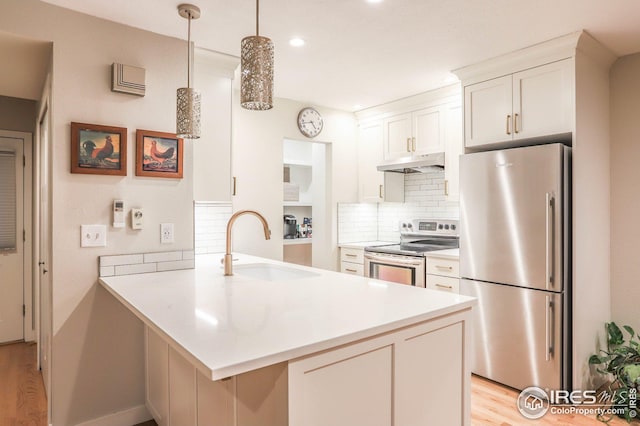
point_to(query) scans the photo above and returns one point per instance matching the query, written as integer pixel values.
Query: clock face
(310, 122)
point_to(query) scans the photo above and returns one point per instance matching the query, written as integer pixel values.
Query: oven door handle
(389, 260)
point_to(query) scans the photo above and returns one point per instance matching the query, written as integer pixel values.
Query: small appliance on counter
(290, 226)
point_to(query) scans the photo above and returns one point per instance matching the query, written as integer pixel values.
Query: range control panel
(429, 226)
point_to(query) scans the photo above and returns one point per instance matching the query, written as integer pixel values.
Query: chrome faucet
(228, 260)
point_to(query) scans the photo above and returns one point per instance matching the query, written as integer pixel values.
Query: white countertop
(448, 253)
(230, 325)
(363, 244)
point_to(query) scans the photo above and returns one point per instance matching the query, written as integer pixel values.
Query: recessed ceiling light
(357, 107)
(450, 79)
(296, 42)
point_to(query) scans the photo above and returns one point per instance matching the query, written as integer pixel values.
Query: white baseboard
(129, 417)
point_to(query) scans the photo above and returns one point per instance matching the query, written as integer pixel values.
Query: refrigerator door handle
(549, 240)
(548, 327)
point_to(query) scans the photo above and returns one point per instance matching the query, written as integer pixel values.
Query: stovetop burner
(419, 236)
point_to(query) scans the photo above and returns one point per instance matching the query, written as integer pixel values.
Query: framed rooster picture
(158, 154)
(98, 150)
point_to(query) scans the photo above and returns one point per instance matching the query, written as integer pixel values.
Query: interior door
(511, 210)
(11, 240)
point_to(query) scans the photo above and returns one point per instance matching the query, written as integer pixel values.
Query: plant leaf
(615, 335)
(629, 330)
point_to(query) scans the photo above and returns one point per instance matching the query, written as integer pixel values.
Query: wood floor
(22, 396)
(23, 401)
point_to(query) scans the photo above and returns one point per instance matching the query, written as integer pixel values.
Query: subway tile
(188, 254)
(173, 266)
(163, 256)
(107, 271)
(125, 259)
(135, 269)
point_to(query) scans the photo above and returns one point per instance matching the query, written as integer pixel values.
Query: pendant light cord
(189, 52)
(257, 17)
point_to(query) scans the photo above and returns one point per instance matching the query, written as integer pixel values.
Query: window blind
(7, 200)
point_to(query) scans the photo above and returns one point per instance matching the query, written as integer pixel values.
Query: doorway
(306, 213)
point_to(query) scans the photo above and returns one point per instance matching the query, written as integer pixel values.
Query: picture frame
(159, 154)
(98, 150)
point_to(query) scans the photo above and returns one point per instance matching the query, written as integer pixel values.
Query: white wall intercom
(118, 214)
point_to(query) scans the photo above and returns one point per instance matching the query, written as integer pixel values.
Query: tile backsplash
(211, 226)
(128, 264)
(424, 198)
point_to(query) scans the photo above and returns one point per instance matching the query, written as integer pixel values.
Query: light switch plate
(166, 233)
(93, 235)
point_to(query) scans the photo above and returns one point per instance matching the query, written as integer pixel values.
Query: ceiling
(360, 53)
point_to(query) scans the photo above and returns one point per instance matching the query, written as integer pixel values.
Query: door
(428, 131)
(542, 100)
(511, 216)
(397, 136)
(487, 112)
(11, 240)
(517, 334)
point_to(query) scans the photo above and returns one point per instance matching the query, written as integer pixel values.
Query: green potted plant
(621, 361)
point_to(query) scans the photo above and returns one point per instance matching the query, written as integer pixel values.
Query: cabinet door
(182, 391)
(157, 377)
(397, 136)
(543, 100)
(369, 157)
(487, 112)
(428, 130)
(453, 149)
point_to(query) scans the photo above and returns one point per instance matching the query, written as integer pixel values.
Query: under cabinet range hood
(418, 164)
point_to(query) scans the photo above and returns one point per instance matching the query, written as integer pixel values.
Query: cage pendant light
(188, 104)
(256, 64)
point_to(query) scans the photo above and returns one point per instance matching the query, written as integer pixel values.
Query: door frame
(28, 321)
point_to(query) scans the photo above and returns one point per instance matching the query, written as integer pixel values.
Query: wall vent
(128, 79)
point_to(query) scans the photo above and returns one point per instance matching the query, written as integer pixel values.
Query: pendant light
(188, 105)
(256, 65)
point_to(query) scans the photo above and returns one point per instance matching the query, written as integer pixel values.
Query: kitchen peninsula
(282, 344)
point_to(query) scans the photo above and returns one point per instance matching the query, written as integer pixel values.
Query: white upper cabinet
(397, 136)
(414, 133)
(428, 130)
(453, 150)
(533, 103)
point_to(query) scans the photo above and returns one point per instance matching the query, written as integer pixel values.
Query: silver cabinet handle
(549, 240)
(446, 268)
(413, 144)
(515, 123)
(444, 286)
(548, 327)
(508, 124)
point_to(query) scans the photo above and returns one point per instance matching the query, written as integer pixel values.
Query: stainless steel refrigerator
(515, 256)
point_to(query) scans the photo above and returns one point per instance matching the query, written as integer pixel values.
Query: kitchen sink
(270, 272)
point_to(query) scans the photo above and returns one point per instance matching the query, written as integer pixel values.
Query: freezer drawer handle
(549, 328)
(549, 240)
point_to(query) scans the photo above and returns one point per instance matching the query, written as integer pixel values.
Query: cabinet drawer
(437, 282)
(352, 268)
(441, 266)
(352, 255)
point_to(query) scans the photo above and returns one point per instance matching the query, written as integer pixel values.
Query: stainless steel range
(404, 263)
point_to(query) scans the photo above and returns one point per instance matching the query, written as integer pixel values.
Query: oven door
(407, 270)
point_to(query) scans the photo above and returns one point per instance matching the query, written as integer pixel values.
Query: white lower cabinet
(443, 274)
(157, 377)
(352, 260)
(414, 376)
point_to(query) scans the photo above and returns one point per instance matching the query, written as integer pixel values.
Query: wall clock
(310, 122)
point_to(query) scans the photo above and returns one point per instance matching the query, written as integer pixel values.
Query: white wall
(97, 355)
(625, 199)
(257, 163)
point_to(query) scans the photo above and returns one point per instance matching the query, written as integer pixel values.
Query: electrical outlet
(93, 235)
(166, 233)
